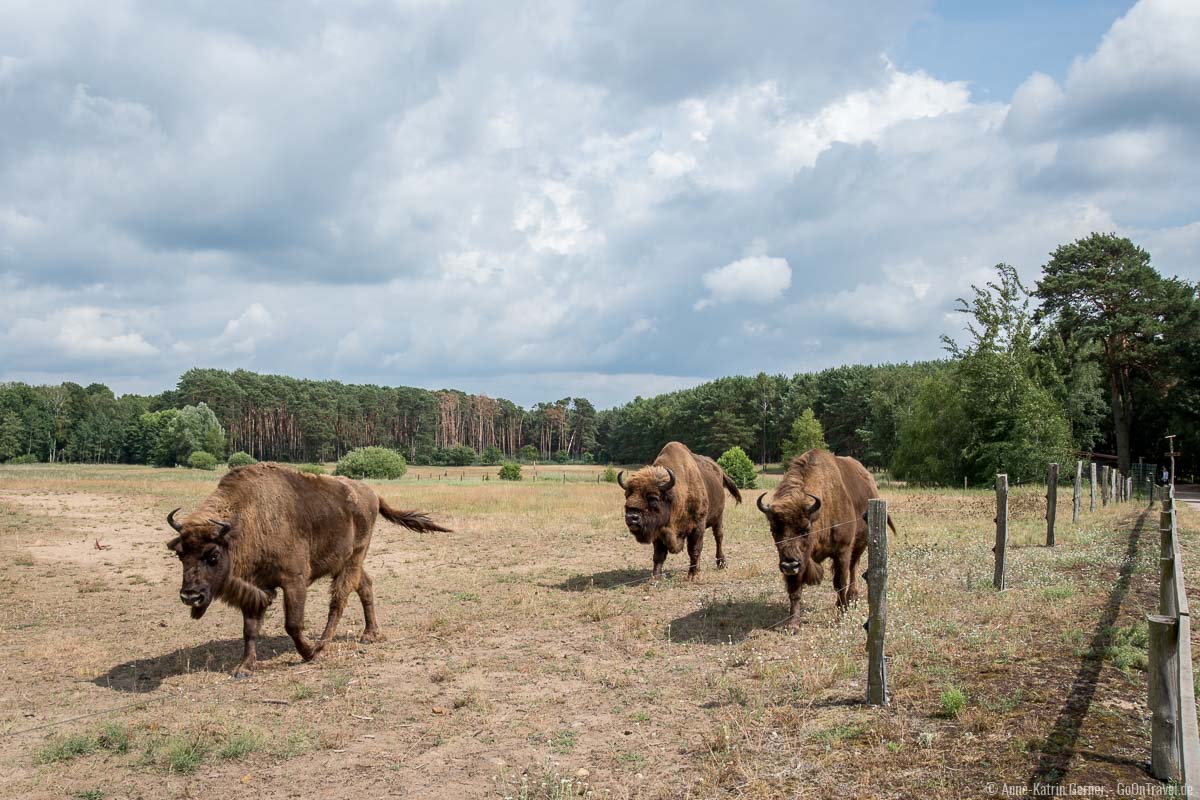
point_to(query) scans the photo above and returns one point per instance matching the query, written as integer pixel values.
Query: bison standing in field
(674, 500)
(819, 512)
(268, 527)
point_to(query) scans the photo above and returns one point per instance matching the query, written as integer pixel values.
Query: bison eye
(211, 559)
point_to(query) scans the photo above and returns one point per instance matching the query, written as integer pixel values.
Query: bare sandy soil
(527, 656)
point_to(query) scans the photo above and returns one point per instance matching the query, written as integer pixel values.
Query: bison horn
(620, 479)
(815, 507)
(671, 483)
(224, 526)
(764, 509)
(171, 521)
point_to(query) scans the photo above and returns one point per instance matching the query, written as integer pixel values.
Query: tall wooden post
(1078, 497)
(1103, 486)
(1092, 486)
(1051, 503)
(1001, 530)
(877, 570)
(1163, 667)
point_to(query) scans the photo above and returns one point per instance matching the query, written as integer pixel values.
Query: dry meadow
(527, 656)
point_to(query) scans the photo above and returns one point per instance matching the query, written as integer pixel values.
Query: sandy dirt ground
(527, 656)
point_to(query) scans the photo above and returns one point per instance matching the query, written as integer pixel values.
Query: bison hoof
(371, 636)
(721, 563)
(242, 672)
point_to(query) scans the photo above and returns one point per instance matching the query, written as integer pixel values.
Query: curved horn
(621, 480)
(224, 526)
(761, 507)
(815, 507)
(671, 483)
(171, 521)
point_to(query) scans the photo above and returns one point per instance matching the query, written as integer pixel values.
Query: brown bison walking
(819, 512)
(674, 500)
(267, 527)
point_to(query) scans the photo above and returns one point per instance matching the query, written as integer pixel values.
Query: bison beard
(268, 527)
(673, 500)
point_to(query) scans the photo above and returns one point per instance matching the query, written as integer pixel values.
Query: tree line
(1101, 355)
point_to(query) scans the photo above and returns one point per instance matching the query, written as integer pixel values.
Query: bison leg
(695, 544)
(841, 579)
(794, 588)
(294, 592)
(852, 593)
(250, 626)
(366, 593)
(660, 555)
(339, 592)
(719, 536)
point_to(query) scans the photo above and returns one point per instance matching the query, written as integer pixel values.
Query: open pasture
(527, 656)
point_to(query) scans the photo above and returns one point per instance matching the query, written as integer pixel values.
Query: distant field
(526, 649)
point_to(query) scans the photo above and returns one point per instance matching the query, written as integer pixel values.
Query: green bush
(372, 462)
(310, 469)
(954, 700)
(739, 467)
(240, 459)
(491, 456)
(510, 471)
(807, 434)
(460, 456)
(588, 458)
(562, 457)
(202, 460)
(610, 474)
(528, 453)
(28, 458)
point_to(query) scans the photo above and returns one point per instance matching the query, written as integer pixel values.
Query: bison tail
(814, 573)
(413, 520)
(731, 487)
(891, 524)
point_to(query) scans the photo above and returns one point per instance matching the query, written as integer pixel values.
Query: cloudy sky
(543, 199)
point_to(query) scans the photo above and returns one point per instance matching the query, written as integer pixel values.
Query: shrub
(310, 469)
(954, 700)
(240, 459)
(28, 458)
(739, 467)
(588, 458)
(460, 456)
(491, 455)
(562, 457)
(807, 434)
(528, 453)
(202, 460)
(610, 474)
(372, 462)
(510, 471)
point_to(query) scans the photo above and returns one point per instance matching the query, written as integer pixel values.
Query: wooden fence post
(1001, 530)
(877, 570)
(1163, 669)
(1051, 503)
(1166, 561)
(1078, 497)
(1103, 486)
(1092, 485)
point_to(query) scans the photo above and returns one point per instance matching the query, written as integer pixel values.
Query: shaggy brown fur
(837, 530)
(667, 516)
(268, 527)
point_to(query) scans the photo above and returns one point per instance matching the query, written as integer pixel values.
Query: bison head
(792, 526)
(648, 499)
(203, 547)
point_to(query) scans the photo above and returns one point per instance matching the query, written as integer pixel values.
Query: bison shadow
(609, 579)
(147, 674)
(722, 622)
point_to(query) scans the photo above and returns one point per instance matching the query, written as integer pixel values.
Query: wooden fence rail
(1174, 734)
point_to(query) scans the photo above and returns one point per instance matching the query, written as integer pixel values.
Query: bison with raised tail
(268, 527)
(673, 500)
(818, 512)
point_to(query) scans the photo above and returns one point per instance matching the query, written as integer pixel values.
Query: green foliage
(1127, 647)
(460, 456)
(66, 748)
(610, 474)
(491, 455)
(807, 434)
(953, 701)
(12, 436)
(588, 458)
(27, 458)
(739, 467)
(240, 459)
(202, 460)
(186, 752)
(310, 469)
(197, 428)
(372, 462)
(510, 471)
(562, 457)
(528, 454)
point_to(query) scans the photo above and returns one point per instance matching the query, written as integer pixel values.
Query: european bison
(819, 512)
(267, 527)
(674, 500)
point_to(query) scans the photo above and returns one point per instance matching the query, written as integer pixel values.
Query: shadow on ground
(609, 579)
(147, 674)
(722, 622)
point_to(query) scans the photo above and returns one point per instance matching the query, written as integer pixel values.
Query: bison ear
(173, 545)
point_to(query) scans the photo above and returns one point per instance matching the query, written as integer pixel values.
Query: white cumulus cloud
(757, 279)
